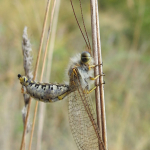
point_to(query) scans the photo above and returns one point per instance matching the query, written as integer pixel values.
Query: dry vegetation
(125, 49)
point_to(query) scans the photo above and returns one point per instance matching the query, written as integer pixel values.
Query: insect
(49, 92)
(82, 116)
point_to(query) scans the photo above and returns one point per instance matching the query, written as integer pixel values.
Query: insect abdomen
(46, 92)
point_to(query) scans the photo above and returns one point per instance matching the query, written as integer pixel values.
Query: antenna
(86, 41)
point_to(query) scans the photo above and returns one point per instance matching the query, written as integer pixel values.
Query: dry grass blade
(27, 62)
(48, 71)
(27, 58)
(43, 66)
(100, 105)
(94, 45)
(101, 87)
(42, 37)
(52, 41)
(36, 68)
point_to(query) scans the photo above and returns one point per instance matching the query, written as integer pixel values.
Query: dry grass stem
(41, 116)
(27, 58)
(101, 87)
(35, 71)
(52, 41)
(48, 36)
(43, 66)
(42, 37)
(42, 106)
(27, 63)
(99, 92)
(94, 46)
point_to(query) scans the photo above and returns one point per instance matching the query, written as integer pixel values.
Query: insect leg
(74, 71)
(63, 95)
(91, 90)
(94, 78)
(23, 91)
(73, 74)
(93, 66)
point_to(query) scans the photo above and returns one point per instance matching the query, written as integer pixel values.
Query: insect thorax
(79, 76)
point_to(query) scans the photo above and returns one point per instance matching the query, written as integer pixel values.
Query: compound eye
(85, 57)
(25, 79)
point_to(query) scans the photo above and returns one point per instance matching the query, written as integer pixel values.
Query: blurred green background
(125, 39)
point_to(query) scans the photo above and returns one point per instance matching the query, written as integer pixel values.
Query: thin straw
(36, 69)
(101, 87)
(43, 66)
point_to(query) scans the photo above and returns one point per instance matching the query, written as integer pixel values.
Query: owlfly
(82, 116)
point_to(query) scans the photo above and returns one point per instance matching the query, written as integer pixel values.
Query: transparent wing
(80, 123)
(82, 118)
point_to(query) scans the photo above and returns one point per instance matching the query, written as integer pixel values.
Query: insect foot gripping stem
(61, 97)
(89, 91)
(93, 66)
(94, 78)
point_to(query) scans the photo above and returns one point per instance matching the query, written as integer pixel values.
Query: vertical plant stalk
(41, 116)
(43, 66)
(94, 47)
(52, 42)
(99, 92)
(27, 63)
(48, 70)
(35, 71)
(42, 37)
(101, 87)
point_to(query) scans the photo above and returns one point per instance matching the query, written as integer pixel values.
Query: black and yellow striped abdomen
(46, 92)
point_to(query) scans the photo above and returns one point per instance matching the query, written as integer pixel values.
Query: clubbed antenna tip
(19, 75)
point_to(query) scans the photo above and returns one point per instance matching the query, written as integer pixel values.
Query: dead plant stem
(101, 87)
(99, 92)
(43, 66)
(35, 71)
